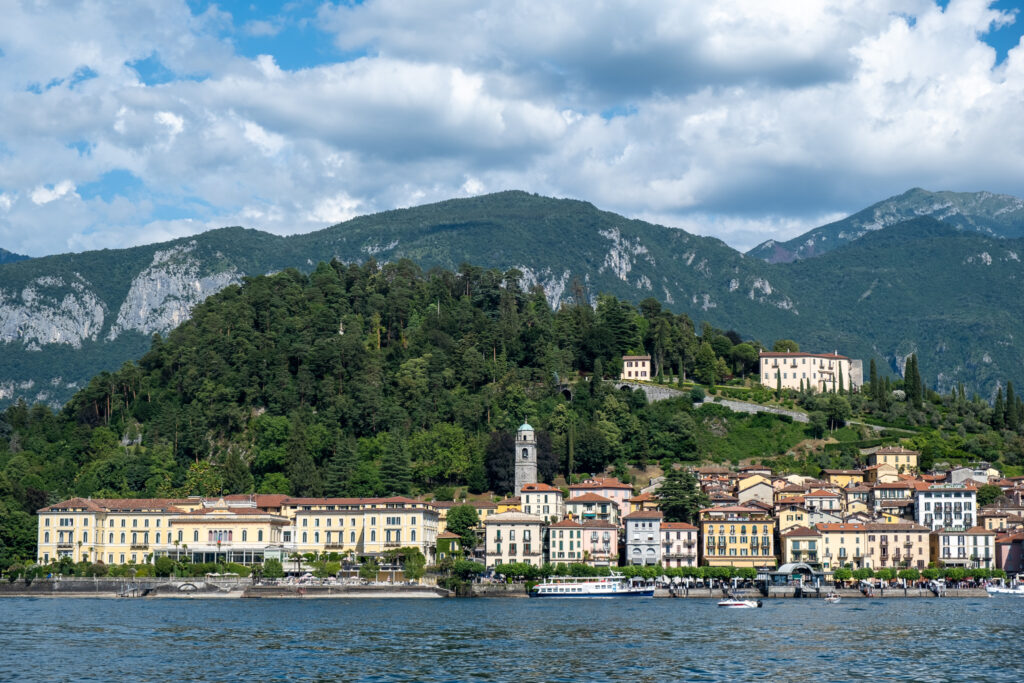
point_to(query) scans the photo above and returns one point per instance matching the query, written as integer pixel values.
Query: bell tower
(526, 457)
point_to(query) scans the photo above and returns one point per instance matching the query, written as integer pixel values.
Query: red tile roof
(677, 526)
(590, 498)
(644, 514)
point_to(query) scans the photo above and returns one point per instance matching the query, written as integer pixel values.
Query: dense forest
(366, 380)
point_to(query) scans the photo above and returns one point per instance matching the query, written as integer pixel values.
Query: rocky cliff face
(51, 310)
(162, 296)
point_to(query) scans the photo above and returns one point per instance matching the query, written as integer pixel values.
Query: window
(244, 536)
(158, 538)
(259, 535)
(123, 538)
(195, 536)
(373, 535)
(352, 537)
(46, 537)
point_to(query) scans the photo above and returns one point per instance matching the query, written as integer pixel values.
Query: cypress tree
(1012, 417)
(778, 385)
(998, 412)
(873, 375)
(842, 390)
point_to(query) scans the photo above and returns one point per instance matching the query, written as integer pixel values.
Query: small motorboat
(832, 598)
(736, 603)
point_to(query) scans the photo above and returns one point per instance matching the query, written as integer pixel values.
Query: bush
(697, 395)
(164, 566)
(273, 569)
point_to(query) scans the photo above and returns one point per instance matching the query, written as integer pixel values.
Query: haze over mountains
(943, 284)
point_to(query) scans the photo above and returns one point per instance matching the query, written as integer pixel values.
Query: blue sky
(133, 121)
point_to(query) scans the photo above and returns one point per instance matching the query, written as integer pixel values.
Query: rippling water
(509, 640)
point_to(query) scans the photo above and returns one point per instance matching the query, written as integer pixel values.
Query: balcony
(392, 544)
(140, 546)
(334, 546)
(65, 546)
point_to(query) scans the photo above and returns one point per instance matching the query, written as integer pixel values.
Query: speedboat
(1005, 590)
(614, 586)
(832, 598)
(736, 603)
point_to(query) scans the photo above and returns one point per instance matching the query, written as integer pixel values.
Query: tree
(873, 379)
(1012, 417)
(863, 573)
(273, 569)
(680, 497)
(785, 346)
(998, 411)
(705, 367)
(842, 574)
(368, 570)
(202, 480)
(463, 520)
(394, 468)
(987, 494)
(164, 566)
(237, 477)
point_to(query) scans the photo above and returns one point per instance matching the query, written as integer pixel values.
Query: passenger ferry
(614, 586)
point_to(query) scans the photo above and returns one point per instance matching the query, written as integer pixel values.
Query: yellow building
(636, 368)
(223, 532)
(790, 515)
(737, 536)
(362, 526)
(512, 504)
(843, 544)
(844, 478)
(244, 529)
(801, 544)
(114, 531)
(900, 458)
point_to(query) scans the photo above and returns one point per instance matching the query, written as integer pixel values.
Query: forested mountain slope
(65, 318)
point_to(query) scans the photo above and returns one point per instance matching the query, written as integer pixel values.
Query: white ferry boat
(614, 586)
(1006, 590)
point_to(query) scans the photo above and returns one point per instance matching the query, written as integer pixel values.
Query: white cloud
(745, 120)
(44, 195)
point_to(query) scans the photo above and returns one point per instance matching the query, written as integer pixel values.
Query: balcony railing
(65, 546)
(334, 546)
(140, 546)
(392, 544)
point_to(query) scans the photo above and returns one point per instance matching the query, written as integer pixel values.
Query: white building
(544, 500)
(514, 537)
(679, 544)
(946, 505)
(969, 548)
(819, 371)
(643, 537)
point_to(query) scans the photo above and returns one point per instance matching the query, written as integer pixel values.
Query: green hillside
(945, 293)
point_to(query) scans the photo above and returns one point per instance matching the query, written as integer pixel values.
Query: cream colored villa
(636, 367)
(243, 529)
(819, 371)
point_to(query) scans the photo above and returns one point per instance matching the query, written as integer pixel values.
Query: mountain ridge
(65, 318)
(997, 215)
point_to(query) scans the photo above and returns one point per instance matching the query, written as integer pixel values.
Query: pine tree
(394, 467)
(680, 497)
(340, 468)
(237, 477)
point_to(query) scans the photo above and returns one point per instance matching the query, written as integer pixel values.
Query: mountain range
(996, 215)
(10, 257)
(928, 284)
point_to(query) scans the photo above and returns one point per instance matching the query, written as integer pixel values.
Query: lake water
(81, 639)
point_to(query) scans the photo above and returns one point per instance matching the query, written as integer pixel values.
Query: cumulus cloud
(744, 120)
